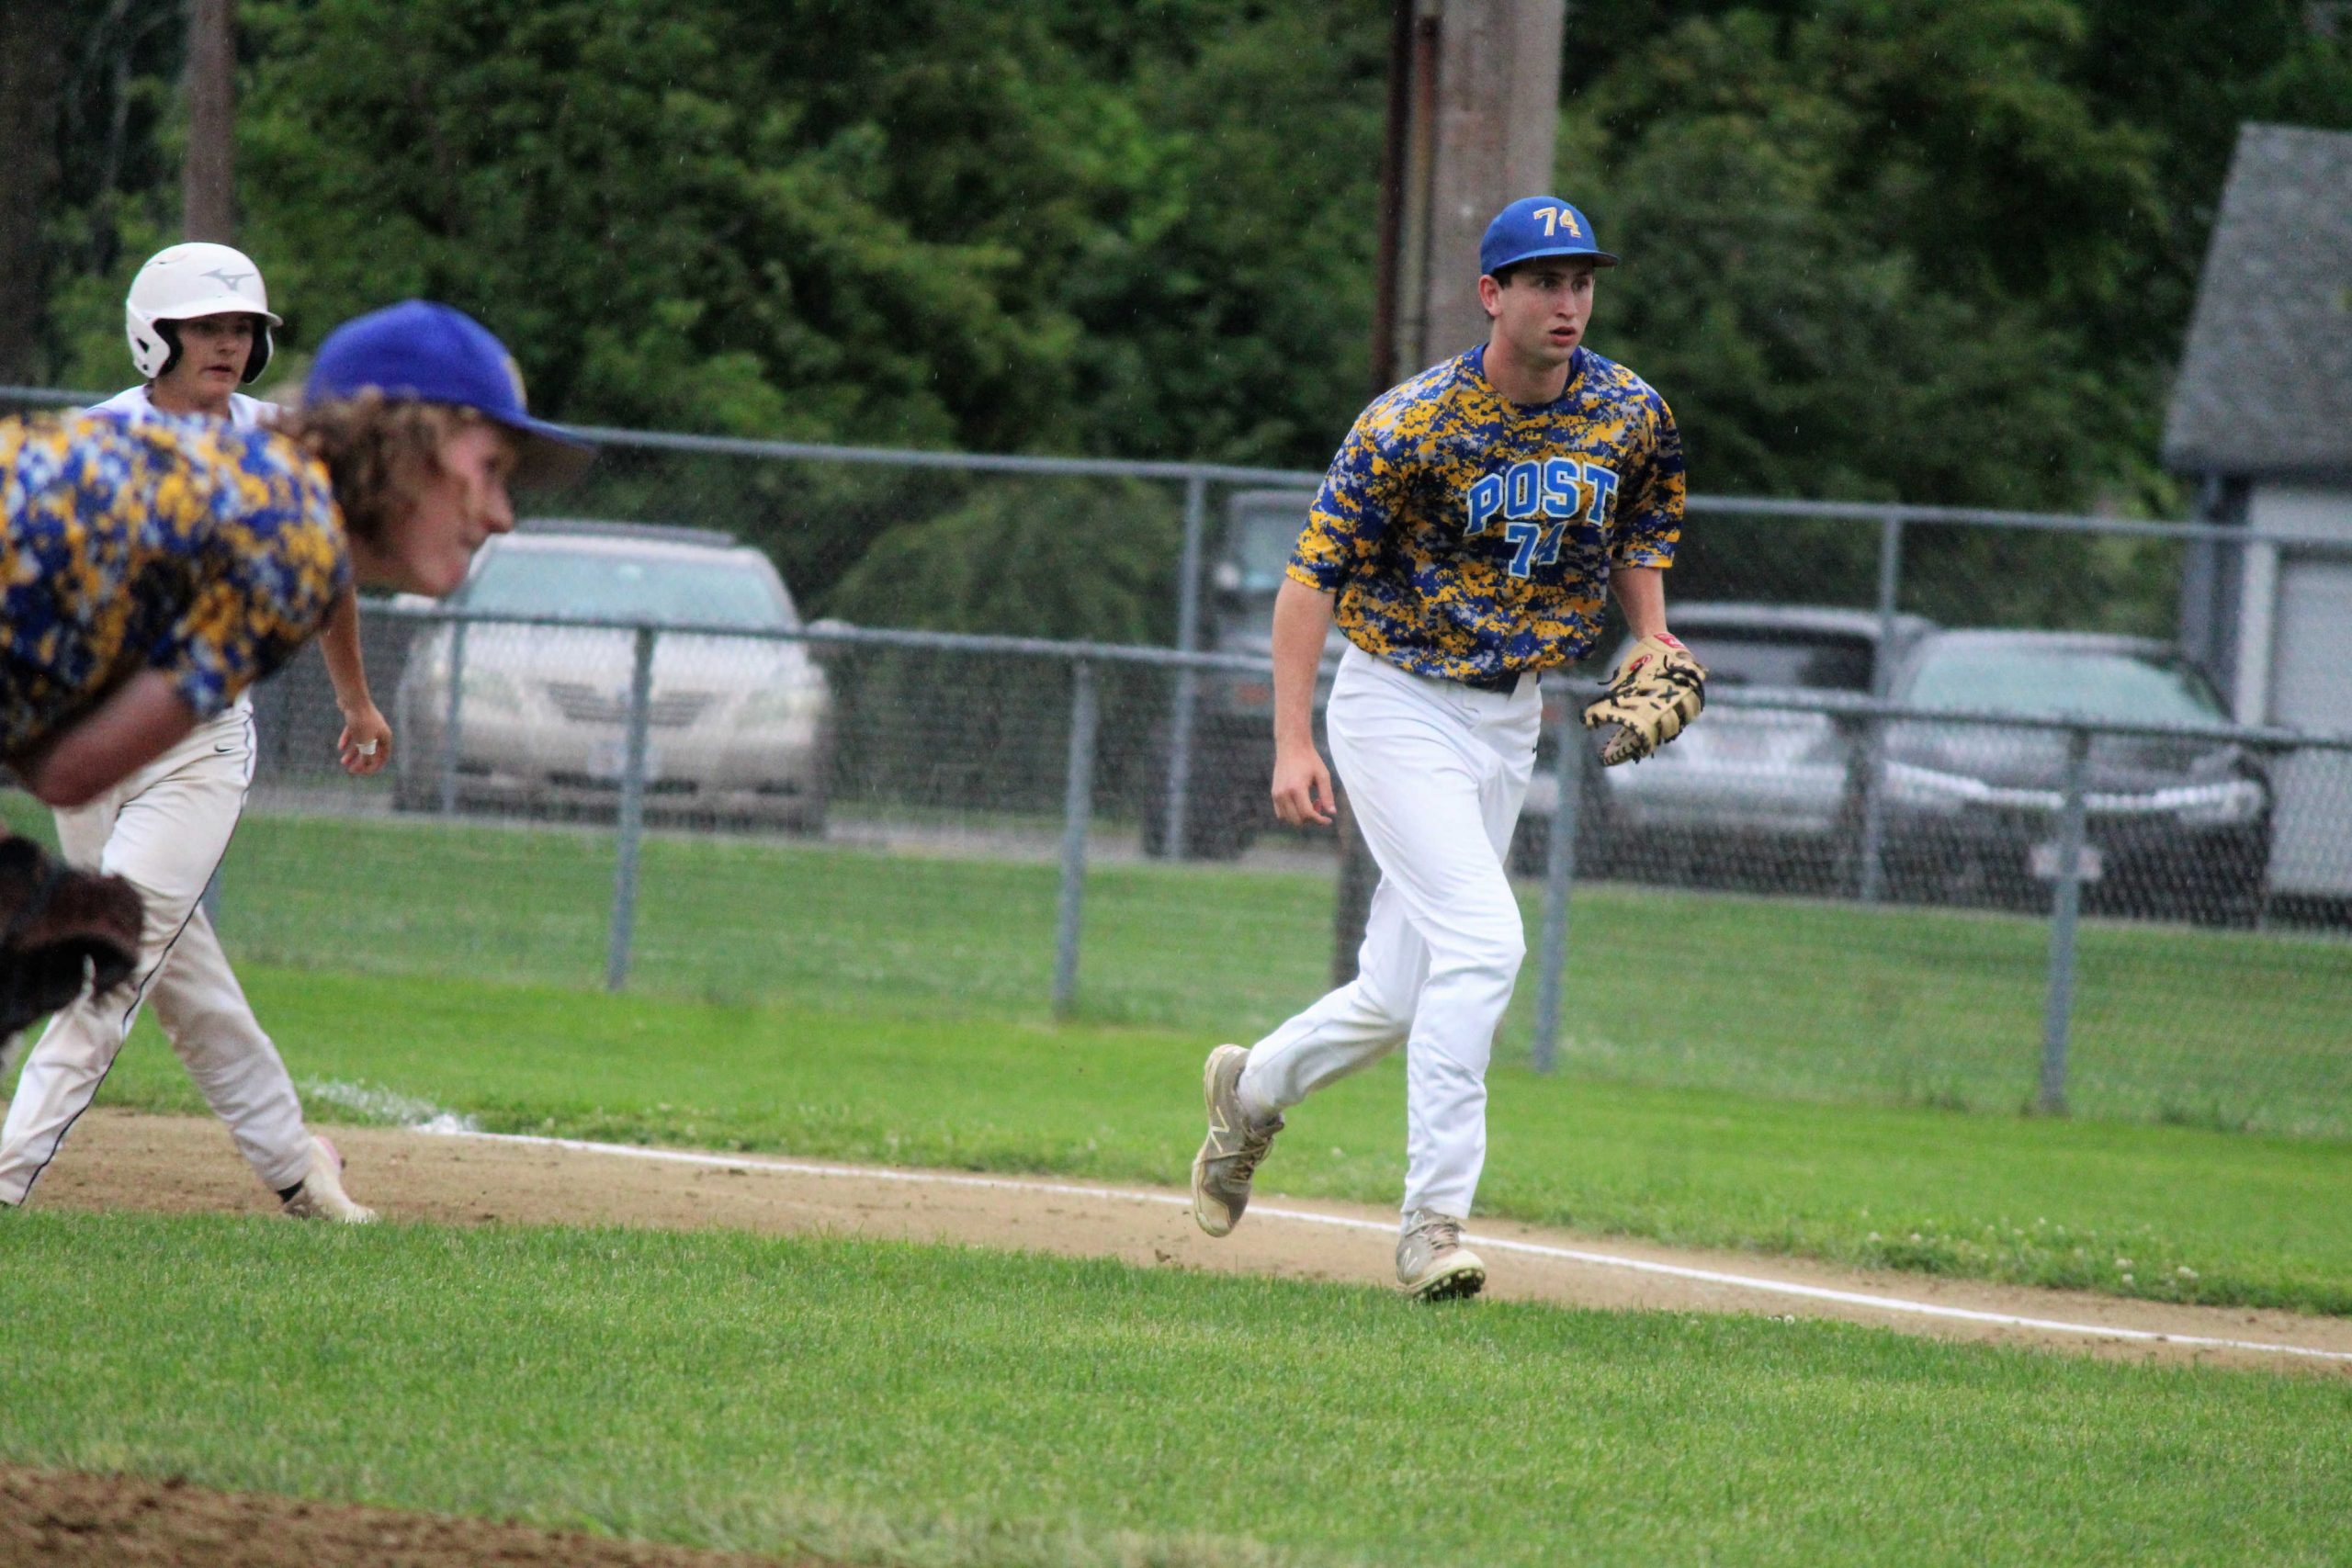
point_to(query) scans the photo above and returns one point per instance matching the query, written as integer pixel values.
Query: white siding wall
(2297, 671)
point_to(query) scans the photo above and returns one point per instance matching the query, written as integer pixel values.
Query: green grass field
(1675, 989)
(862, 1005)
(1783, 998)
(903, 1404)
(1799, 1089)
(2254, 1219)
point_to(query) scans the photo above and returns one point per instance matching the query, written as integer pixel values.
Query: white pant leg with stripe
(166, 828)
(1436, 773)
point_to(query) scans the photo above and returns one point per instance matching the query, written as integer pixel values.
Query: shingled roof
(2266, 384)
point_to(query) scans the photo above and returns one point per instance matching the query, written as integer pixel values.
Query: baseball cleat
(320, 1195)
(1431, 1263)
(1229, 1154)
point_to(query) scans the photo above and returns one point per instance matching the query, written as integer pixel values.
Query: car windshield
(603, 585)
(2056, 682)
(1808, 660)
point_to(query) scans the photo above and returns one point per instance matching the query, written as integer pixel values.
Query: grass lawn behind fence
(894, 1403)
(1776, 996)
(2111, 1206)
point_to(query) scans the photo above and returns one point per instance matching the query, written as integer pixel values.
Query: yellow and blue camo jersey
(181, 545)
(1468, 536)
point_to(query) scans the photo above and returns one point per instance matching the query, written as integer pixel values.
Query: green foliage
(1031, 558)
(1233, 315)
(1808, 354)
(1077, 227)
(1067, 227)
(648, 200)
(120, 130)
(1940, 250)
(1860, 267)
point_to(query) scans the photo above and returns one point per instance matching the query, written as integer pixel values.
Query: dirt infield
(64, 1520)
(117, 1161)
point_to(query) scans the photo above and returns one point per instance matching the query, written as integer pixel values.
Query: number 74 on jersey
(1537, 500)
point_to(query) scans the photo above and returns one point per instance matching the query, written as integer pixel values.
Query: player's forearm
(1302, 623)
(339, 643)
(1641, 593)
(143, 718)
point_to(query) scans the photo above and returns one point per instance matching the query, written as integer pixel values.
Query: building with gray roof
(2261, 416)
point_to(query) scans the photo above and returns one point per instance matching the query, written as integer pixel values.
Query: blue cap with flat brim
(1535, 227)
(424, 352)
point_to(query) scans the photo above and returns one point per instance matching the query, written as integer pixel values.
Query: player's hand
(1302, 787)
(366, 744)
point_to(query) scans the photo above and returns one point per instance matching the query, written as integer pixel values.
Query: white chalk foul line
(1902, 1304)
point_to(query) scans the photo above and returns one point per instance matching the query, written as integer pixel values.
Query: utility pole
(1474, 113)
(209, 176)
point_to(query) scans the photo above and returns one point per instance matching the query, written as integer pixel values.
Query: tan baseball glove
(1657, 689)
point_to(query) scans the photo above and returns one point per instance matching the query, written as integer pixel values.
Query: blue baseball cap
(424, 352)
(1538, 225)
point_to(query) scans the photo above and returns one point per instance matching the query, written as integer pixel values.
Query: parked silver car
(1744, 795)
(2176, 828)
(739, 728)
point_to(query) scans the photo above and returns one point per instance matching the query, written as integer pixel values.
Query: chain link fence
(2069, 915)
(1881, 867)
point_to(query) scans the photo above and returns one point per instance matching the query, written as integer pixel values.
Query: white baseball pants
(165, 828)
(1436, 773)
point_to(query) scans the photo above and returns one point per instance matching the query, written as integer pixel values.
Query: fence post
(1872, 850)
(632, 812)
(1188, 680)
(1559, 876)
(2065, 906)
(1078, 810)
(451, 716)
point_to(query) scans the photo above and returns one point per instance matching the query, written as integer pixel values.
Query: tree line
(1942, 250)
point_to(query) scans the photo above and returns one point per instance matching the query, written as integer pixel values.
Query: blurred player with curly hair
(156, 563)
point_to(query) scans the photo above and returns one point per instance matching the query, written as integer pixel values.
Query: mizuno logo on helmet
(228, 280)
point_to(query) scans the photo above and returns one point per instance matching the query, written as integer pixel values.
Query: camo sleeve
(185, 546)
(1351, 512)
(270, 562)
(1649, 524)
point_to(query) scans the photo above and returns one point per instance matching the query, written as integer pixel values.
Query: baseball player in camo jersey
(1464, 539)
(141, 532)
(199, 321)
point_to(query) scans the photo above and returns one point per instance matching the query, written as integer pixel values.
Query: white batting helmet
(184, 282)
